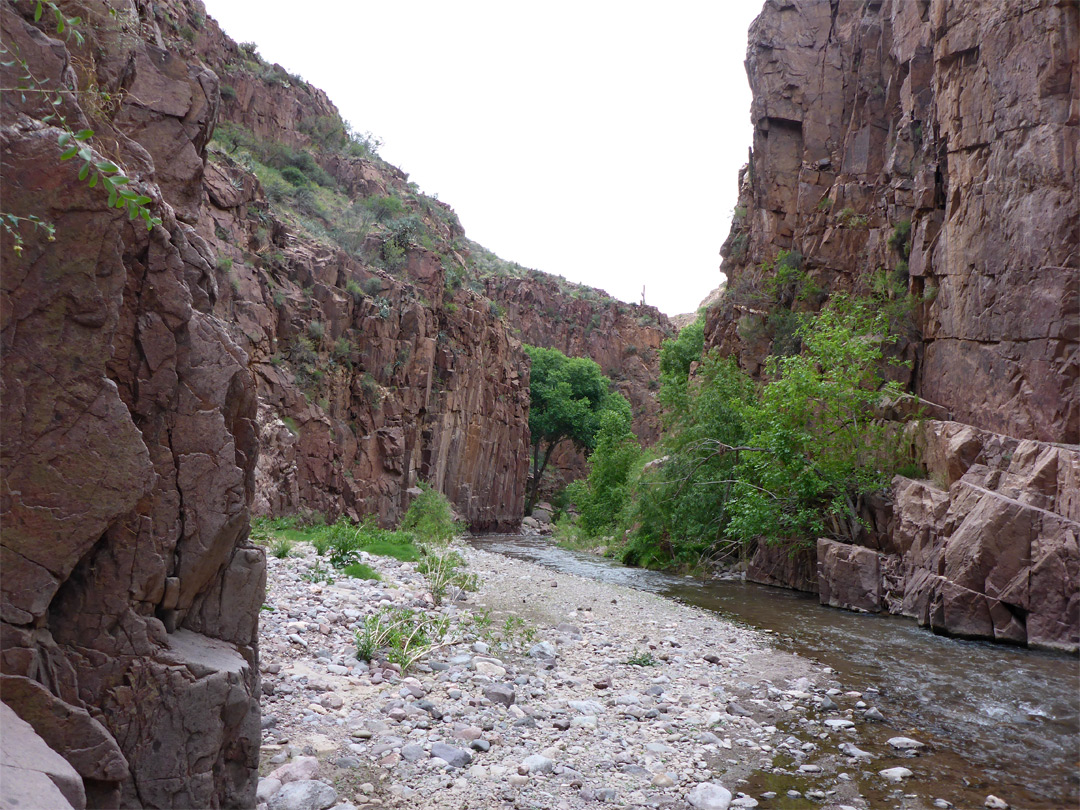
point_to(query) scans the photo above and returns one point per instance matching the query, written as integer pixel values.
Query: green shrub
(402, 635)
(228, 92)
(383, 209)
(900, 239)
(430, 517)
(445, 577)
(361, 571)
(316, 329)
(294, 175)
(281, 547)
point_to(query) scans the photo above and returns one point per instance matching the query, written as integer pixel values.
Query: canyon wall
(929, 148)
(624, 340)
(959, 118)
(130, 595)
(376, 368)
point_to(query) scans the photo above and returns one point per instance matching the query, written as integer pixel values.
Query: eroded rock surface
(958, 121)
(129, 444)
(985, 547)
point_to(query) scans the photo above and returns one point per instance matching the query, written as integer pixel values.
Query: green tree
(680, 505)
(567, 396)
(820, 447)
(602, 497)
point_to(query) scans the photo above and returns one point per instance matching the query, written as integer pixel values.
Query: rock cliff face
(130, 597)
(158, 386)
(624, 339)
(960, 119)
(930, 147)
(375, 367)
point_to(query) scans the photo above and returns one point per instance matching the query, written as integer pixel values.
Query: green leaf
(84, 171)
(37, 12)
(69, 153)
(121, 179)
(128, 194)
(112, 197)
(86, 154)
(94, 179)
(84, 134)
(107, 166)
(142, 199)
(64, 138)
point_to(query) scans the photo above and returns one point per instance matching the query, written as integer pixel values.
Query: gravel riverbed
(600, 696)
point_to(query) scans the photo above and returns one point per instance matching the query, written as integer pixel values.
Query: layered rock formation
(130, 597)
(375, 368)
(930, 148)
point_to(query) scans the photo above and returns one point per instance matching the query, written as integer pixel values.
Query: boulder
(848, 576)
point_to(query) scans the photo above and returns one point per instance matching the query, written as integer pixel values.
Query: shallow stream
(1001, 720)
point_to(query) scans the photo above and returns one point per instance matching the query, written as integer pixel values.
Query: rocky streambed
(595, 694)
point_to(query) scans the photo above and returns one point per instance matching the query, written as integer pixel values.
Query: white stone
(709, 796)
(905, 743)
(895, 774)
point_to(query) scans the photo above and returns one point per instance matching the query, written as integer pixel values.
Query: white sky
(596, 140)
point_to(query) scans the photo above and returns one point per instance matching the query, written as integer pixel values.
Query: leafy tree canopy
(568, 395)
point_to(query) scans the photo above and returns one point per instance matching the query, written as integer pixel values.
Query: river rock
(544, 650)
(994, 803)
(500, 693)
(897, 774)
(709, 796)
(454, 757)
(537, 763)
(906, 744)
(301, 768)
(306, 794)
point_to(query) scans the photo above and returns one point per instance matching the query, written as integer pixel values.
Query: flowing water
(1002, 720)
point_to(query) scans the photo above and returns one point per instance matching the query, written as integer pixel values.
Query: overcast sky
(596, 140)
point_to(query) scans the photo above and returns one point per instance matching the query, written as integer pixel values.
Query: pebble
(994, 803)
(560, 722)
(454, 757)
(500, 693)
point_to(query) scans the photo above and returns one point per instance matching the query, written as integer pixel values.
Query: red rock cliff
(960, 118)
(375, 367)
(130, 595)
(934, 143)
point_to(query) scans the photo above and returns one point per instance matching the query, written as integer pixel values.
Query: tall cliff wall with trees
(922, 156)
